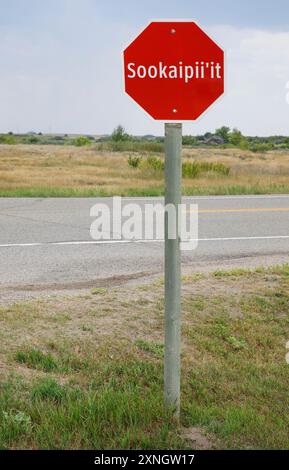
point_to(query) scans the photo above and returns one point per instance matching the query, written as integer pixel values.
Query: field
(86, 371)
(98, 170)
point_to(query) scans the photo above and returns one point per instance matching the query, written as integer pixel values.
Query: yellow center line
(257, 209)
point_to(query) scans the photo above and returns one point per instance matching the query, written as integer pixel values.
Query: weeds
(134, 161)
(193, 170)
(189, 169)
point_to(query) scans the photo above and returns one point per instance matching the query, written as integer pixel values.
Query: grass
(98, 170)
(86, 372)
(150, 347)
(36, 360)
(49, 389)
(98, 291)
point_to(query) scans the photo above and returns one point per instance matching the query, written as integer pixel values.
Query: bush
(189, 140)
(155, 163)
(7, 139)
(134, 161)
(193, 170)
(81, 141)
(189, 169)
(261, 147)
(32, 139)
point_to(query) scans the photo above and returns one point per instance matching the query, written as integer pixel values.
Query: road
(47, 241)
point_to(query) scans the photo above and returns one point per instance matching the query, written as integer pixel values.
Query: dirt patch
(197, 439)
(99, 282)
(10, 294)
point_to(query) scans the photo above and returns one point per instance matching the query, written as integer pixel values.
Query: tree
(236, 137)
(119, 134)
(189, 140)
(223, 132)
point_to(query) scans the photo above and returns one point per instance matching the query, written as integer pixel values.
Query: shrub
(134, 161)
(7, 139)
(189, 169)
(81, 141)
(194, 169)
(155, 163)
(261, 147)
(189, 140)
(32, 139)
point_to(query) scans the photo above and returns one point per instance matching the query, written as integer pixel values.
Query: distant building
(215, 139)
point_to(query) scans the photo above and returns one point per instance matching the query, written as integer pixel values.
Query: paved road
(47, 241)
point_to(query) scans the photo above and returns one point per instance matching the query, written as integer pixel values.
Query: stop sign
(174, 70)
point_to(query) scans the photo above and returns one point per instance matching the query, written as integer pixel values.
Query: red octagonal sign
(174, 71)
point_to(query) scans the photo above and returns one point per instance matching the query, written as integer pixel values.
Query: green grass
(143, 192)
(98, 291)
(189, 169)
(107, 392)
(150, 347)
(238, 272)
(64, 363)
(36, 359)
(121, 407)
(49, 389)
(195, 169)
(131, 146)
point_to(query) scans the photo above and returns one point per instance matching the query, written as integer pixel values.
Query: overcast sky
(60, 64)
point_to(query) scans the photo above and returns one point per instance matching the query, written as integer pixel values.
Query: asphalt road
(47, 241)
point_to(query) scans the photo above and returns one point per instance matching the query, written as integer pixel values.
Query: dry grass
(87, 371)
(68, 170)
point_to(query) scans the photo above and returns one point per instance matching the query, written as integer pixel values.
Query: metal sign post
(173, 177)
(178, 78)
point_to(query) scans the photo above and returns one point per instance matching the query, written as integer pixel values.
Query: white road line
(107, 242)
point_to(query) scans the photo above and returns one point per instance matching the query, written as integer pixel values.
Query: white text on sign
(197, 70)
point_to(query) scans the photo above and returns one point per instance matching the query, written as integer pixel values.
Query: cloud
(67, 77)
(257, 71)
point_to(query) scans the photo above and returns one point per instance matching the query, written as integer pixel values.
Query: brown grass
(66, 167)
(107, 346)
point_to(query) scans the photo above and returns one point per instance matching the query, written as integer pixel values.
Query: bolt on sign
(174, 70)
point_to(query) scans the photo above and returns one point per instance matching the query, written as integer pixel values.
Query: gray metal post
(173, 176)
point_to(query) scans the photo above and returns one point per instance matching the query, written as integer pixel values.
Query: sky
(61, 64)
